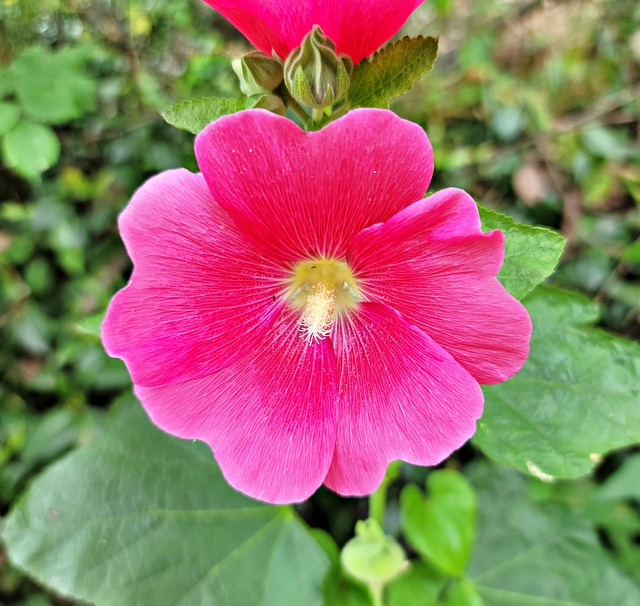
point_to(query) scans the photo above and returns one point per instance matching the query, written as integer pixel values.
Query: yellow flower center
(321, 289)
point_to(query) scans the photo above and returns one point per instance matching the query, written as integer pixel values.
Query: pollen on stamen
(317, 318)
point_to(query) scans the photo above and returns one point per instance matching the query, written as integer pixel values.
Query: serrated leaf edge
(373, 58)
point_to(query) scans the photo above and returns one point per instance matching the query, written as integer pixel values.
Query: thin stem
(375, 590)
(341, 111)
(317, 115)
(378, 499)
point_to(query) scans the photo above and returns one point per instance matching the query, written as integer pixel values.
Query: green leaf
(624, 483)
(575, 399)
(463, 593)
(139, 517)
(391, 72)
(6, 82)
(341, 591)
(53, 86)
(195, 114)
(422, 586)
(91, 324)
(9, 116)
(608, 143)
(30, 149)
(419, 586)
(441, 528)
(531, 253)
(531, 554)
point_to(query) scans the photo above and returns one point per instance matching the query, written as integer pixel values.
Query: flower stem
(375, 591)
(317, 115)
(341, 111)
(378, 499)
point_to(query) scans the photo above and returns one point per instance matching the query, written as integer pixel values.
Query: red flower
(357, 27)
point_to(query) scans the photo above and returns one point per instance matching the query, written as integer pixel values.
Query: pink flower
(357, 27)
(301, 308)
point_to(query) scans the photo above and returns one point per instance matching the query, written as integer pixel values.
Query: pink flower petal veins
(298, 195)
(217, 354)
(358, 27)
(432, 263)
(402, 397)
(198, 292)
(269, 418)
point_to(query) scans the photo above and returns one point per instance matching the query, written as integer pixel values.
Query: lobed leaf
(531, 253)
(575, 399)
(391, 72)
(195, 114)
(538, 554)
(139, 517)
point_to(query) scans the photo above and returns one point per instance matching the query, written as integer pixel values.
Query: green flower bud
(372, 557)
(273, 103)
(314, 74)
(258, 73)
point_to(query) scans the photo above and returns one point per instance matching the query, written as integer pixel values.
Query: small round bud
(258, 73)
(314, 74)
(272, 103)
(372, 557)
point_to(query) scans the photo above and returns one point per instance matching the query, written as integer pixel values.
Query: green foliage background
(533, 107)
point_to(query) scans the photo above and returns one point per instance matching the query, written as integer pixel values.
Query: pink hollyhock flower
(357, 27)
(305, 311)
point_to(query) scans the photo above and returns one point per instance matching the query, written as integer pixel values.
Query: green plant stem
(341, 111)
(378, 499)
(317, 115)
(375, 591)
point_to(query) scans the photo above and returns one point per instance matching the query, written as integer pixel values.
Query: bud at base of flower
(372, 557)
(258, 73)
(314, 74)
(272, 103)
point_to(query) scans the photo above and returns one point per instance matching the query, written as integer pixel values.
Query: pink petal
(297, 195)
(270, 418)
(403, 397)
(198, 293)
(358, 27)
(432, 264)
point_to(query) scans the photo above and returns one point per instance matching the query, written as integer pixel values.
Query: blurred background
(533, 107)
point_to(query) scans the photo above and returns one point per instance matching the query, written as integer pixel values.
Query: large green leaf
(441, 528)
(576, 397)
(53, 86)
(422, 586)
(30, 149)
(533, 554)
(195, 114)
(419, 586)
(391, 72)
(139, 517)
(531, 253)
